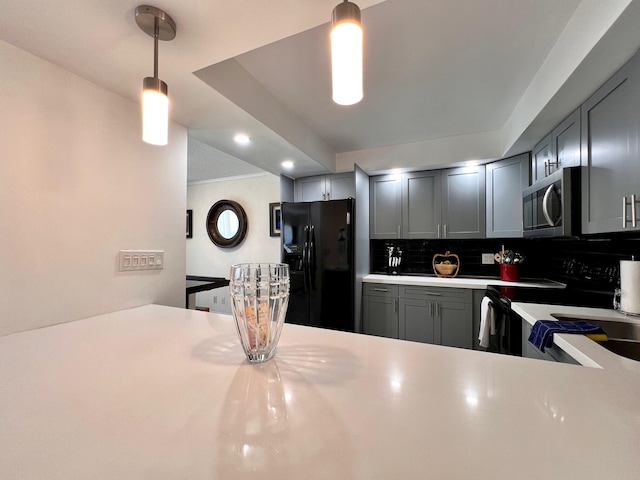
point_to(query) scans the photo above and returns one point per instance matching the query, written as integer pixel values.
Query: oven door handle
(545, 206)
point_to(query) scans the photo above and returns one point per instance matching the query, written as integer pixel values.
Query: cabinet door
(385, 206)
(380, 316)
(505, 181)
(310, 189)
(610, 123)
(421, 205)
(340, 186)
(463, 202)
(541, 158)
(454, 323)
(417, 320)
(566, 143)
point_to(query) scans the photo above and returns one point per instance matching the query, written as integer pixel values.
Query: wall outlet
(215, 299)
(487, 258)
(140, 260)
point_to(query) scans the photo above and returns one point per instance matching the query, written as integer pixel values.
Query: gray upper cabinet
(421, 212)
(610, 135)
(463, 202)
(385, 210)
(431, 204)
(505, 181)
(559, 149)
(325, 187)
(541, 157)
(340, 186)
(566, 143)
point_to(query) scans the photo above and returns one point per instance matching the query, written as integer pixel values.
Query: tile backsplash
(586, 263)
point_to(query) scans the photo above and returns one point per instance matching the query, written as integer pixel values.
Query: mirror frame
(212, 224)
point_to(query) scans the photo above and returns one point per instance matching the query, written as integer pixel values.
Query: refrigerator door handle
(312, 256)
(305, 259)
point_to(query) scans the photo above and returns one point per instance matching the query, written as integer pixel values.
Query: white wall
(77, 184)
(205, 258)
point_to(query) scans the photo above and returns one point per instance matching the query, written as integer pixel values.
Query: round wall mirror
(226, 223)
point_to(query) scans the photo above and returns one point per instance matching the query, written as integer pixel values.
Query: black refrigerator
(318, 245)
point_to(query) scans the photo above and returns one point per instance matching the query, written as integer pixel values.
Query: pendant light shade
(155, 102)
(346, 54)
(155, 111)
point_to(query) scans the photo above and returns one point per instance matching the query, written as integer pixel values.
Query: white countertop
(165, 393)
(582, 349)
(456, 282)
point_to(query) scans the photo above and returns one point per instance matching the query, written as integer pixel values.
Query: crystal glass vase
(259, 298)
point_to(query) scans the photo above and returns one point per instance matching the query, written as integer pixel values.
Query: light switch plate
(487, 258)
(129, 260)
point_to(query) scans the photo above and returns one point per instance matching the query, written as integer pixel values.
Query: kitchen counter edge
(477, 283)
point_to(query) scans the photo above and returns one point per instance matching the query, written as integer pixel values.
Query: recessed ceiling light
(287, 164)
(242, 139)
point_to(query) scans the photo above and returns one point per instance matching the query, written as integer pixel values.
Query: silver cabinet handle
(398, 231)
(445, 231)
(546, 167)
(380, 289)
(633, 211)
(395, 305)
(438, 231)
(437, 310)
(433, 294)
(430, 309)
(624, 212)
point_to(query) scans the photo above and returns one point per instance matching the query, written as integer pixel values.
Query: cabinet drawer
(446, 294)
(380, 289)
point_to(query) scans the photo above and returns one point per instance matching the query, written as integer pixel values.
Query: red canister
(509, 272)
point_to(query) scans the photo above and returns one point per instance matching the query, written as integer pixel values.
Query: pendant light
(346, 54)
(155, 102)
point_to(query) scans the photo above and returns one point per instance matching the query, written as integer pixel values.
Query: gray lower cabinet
(441, 316)
(417, 320)
(553, 354)
(611, 161)
(380, 310)
(324, 187)
(505, 181)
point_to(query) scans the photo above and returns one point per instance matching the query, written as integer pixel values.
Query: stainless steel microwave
(551, 207)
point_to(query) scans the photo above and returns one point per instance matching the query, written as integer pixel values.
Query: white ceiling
(434, 69)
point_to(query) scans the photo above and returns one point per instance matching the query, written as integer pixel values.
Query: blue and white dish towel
(542, 332)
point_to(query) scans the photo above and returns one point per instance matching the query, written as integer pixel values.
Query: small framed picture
(275, 219)
(189, 223)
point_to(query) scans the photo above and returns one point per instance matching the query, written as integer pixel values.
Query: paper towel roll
(630, 286)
